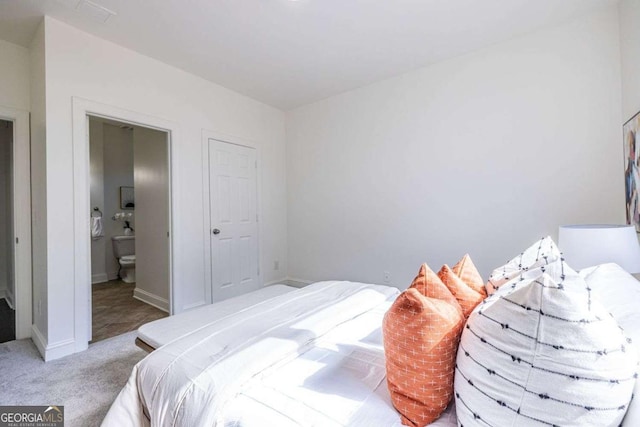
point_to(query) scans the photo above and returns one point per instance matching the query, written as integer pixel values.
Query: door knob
(215, 231)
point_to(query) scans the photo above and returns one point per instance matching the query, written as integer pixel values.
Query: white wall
(629, 11)
(81, 65)
(14, 76)
(482, 154)
(151, 175)
(37, 102)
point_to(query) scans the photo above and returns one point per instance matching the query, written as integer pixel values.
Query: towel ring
(98, 211)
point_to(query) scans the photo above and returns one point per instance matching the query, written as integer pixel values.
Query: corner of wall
(39, 340)
(39, 184)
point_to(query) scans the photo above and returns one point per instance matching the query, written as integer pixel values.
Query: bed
(281, 356)
(155, 334)
(289, 357)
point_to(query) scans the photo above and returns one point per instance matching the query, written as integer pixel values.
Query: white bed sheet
(339, 381)
(163, 331)
(313, 357)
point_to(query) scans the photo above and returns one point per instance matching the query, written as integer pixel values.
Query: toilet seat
(127, 260)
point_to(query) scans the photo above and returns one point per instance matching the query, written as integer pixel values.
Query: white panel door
(234, 222)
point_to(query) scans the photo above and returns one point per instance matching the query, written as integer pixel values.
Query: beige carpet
(85, 383)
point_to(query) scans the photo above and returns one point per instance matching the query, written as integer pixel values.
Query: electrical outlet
(276, 265)
(387, 276)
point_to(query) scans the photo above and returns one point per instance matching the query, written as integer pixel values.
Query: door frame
(82, 109)
(206, 197)
(21, 218)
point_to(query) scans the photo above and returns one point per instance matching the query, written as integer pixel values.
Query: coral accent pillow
(467, 297)
(421, 331)
(430, 285)
(466, 270)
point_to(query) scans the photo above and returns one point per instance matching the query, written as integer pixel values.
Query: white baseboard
(276, 282)
(104, 277)
(5, 295)
(290, 281)
(99, 278)
(188, 307)
(151, 299)
(60, 349)
(51, 351)
(9, 297)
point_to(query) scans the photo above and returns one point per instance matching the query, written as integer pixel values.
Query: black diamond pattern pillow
(542, 351)
(535, 260)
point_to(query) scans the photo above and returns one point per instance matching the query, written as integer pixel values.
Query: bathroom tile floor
(115, 311)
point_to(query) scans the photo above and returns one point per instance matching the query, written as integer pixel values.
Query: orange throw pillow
(467, 271)
(467, 297)
(421, 331)
(429, 284)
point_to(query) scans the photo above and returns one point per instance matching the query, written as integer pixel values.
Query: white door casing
(233, 218)
(82, 209)
(22, 219)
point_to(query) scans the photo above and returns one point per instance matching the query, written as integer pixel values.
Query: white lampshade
(588, 245)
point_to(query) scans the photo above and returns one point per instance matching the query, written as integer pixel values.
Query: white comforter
(310, 357)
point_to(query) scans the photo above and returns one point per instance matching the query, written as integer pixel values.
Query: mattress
(312, 356)
(163, 331)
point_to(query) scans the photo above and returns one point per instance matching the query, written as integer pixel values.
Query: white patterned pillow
(542, 351)
(530, 263)
(619, 292)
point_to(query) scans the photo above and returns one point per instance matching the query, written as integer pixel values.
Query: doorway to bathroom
(7, 283)
(130, 221)
(15, 225)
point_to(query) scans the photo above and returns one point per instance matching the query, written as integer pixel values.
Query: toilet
(124, 249)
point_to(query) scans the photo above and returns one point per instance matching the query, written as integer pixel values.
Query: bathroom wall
(6, 214)
(118, 171)
(113, 165)
(151, 177)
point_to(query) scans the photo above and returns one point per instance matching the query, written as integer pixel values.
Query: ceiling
(289, 53)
